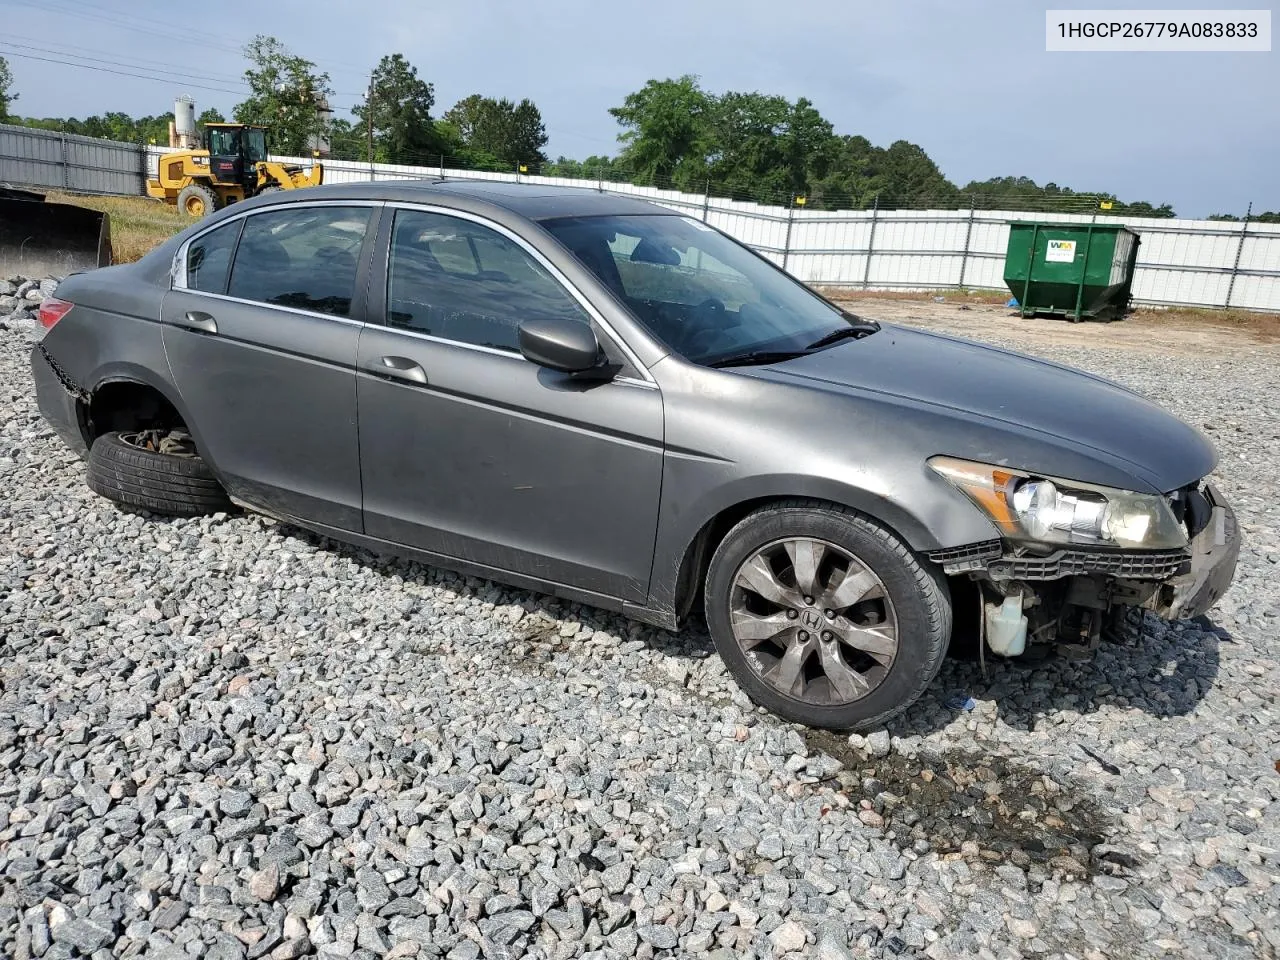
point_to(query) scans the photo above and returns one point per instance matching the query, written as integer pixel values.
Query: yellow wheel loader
(232, 166)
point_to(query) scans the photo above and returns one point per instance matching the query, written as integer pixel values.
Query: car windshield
(702, 294)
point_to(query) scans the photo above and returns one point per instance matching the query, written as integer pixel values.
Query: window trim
(180, 259)
(595, 314)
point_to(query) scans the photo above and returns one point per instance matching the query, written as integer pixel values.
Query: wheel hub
(175, 443)
(814, 621)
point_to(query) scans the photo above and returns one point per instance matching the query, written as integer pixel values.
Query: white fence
(1202, 263)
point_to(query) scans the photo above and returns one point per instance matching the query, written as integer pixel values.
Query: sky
(969, 82)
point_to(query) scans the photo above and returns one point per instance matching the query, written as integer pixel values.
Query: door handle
(402, 368)
(198, 320)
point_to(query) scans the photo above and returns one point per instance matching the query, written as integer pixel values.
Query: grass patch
(138, 224)
(1263, 326)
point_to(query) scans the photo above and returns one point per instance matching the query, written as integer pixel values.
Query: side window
(209, 256)
(458, 280)
(304, 257)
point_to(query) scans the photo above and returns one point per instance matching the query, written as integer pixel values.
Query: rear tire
(900, 612)
(197, 200)
(177, 485)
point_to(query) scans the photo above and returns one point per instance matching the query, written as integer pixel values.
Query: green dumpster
(1069, 269)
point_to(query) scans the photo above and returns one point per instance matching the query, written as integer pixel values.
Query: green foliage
(666, 135)
(1268, 217)
(111, 126)
(211, 115)
(761, 147)
(496, 133)
(1023, 193)
(346, 141)
(1141, 209)
(860, 174)
(285, 91)
(593, 168)
(755, 146)
(398, 107)
(7, 96)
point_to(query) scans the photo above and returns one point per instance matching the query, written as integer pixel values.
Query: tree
(592, 168)
(763, 147)
(1023, 193)
(399, 107)
(346, 141)
(526, 133)
(860, 174)
(285, 94)
(6, 90)
(914, 180)
(1141, 208)
(208, 116)
(742, 147)
(1267, 217)
(500, 131)
(666, 126)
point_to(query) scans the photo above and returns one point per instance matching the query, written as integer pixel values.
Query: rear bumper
(57, 398)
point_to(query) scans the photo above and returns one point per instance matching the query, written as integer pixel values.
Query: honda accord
(612, 402)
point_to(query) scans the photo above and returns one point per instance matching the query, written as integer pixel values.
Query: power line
(180, 72)
(178, 75)
(121, 73)
(78, 9)
(50, 6)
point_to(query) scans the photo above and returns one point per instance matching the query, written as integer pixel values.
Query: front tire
(825, 617)
(197, 200)
(129, 468)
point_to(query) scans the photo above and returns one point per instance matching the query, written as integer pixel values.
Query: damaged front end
(1053, 593)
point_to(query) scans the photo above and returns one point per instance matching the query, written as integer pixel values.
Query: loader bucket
(41, 239)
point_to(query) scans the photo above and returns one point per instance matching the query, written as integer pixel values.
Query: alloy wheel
(814, 621)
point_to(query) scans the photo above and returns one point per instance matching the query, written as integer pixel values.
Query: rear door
(469, 450)
(261, 339)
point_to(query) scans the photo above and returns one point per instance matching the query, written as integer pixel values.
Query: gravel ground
(229, 738)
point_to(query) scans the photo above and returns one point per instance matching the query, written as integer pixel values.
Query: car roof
(528, 200)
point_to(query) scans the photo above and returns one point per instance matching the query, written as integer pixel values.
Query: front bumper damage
(1067, 595)
(1214, 553)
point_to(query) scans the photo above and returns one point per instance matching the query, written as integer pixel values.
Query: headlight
(1051, 510)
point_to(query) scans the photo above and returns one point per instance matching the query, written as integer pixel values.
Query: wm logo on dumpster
(1060, 251)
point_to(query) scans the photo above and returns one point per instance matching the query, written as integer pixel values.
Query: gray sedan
(604, 400)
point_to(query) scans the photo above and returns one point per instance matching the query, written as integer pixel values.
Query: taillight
(51, 311)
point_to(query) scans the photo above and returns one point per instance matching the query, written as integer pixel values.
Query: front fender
(939, 516)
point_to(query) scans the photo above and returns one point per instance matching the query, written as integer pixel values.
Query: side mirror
(565, 345)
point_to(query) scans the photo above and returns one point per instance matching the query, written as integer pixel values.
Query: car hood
(1088, 413)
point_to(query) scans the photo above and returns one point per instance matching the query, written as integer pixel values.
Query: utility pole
(368, 113)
